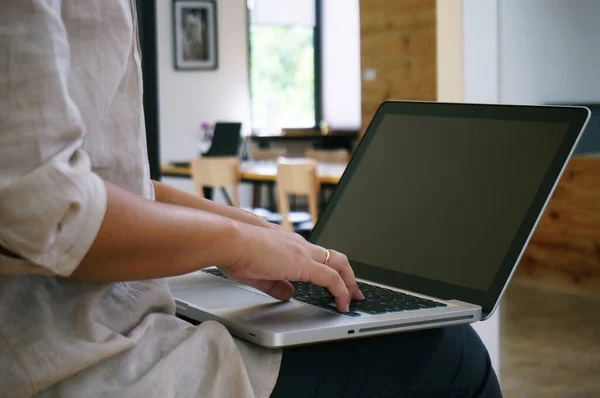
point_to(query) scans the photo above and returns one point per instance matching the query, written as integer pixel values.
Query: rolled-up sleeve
(51, 203)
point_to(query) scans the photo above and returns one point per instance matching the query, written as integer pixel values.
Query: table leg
(208, 193)
(322, 199)
(227, 197)
(272, 200)
(293, 203)
(256, 195)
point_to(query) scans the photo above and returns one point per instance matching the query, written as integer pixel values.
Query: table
(263, 171)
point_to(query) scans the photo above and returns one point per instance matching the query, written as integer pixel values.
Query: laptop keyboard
(378, 300)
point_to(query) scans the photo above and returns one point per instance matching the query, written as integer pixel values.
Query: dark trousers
(446, 362)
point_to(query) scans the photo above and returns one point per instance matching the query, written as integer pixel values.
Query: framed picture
(195, 34)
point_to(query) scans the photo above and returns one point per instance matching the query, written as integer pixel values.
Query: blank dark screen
(441, 198)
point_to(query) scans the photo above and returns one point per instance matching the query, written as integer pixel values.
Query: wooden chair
(296, 177)
(222, 172)
(329, 155)
(257, 187)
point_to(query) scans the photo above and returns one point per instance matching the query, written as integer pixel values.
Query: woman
(86, 237)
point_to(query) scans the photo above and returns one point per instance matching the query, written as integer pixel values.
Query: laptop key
(329, 304)
(304, 291)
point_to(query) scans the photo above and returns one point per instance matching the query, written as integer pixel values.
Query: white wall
(341, 88)
(549, 51)
(531, 52)
(480, 51)
(187, 98)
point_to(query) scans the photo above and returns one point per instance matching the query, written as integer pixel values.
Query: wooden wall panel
(398, 41)
(565, 248)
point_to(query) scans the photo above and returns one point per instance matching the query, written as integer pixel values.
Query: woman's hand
(167, 194)
(268, 258)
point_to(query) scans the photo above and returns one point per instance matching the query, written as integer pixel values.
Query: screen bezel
(576, 117)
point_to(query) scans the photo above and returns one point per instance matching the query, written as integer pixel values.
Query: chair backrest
(296, 177)
(217, 172)
(271, 154)
(226, 141)
(329, 155)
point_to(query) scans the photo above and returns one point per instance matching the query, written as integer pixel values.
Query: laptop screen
(440, 198)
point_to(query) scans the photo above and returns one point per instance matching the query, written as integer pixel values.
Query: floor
(550, 342)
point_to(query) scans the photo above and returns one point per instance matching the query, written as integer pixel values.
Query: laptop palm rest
(215, 294)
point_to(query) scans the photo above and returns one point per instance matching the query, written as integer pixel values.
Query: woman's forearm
(167, 194)
(140, 239)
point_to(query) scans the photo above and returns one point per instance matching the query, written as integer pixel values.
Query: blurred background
(260, 103)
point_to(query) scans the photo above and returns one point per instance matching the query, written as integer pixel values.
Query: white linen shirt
(71, 116)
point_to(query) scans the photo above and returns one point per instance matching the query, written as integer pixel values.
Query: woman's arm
(167, 194)
(140, 239)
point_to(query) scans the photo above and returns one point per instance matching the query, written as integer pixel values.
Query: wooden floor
(550, 342)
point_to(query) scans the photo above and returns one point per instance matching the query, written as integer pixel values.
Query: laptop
(433, 211)
(226, 140)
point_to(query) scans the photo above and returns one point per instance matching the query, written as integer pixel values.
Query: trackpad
(216, 295)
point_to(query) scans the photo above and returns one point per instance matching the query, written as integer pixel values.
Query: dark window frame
(146, 19)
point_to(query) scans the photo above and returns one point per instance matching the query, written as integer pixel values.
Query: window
(282, 73)
(293, 86)
(282, 64)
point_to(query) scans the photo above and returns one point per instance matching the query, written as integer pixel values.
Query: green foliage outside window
(282, 76)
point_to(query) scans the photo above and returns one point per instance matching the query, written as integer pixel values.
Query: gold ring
(327, 257)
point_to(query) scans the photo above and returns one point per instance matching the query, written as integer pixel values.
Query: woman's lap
(449, 361)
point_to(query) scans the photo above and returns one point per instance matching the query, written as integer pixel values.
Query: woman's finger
(339, 262)
(322, 275)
